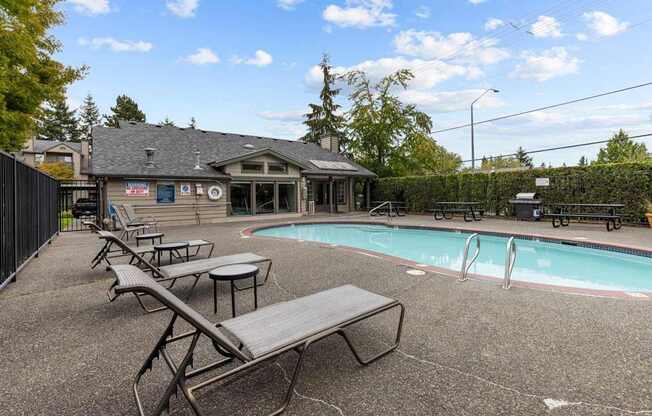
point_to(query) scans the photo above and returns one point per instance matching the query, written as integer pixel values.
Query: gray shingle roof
(41, 146)
(120, 152)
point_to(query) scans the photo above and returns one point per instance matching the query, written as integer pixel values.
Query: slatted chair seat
(206, 265)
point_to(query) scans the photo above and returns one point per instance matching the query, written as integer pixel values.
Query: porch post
(330, 194)
(368, 192)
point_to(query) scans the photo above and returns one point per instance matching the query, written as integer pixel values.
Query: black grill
(527, 206)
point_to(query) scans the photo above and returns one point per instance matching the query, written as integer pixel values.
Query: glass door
(287, 197)
(265, 196)
(241, 199)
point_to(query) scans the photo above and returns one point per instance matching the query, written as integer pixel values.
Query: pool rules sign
(543, 182)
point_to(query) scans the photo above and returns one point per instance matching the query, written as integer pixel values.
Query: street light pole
(495, 91)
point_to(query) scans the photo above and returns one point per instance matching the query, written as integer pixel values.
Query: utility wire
(550, 149)
(548, 107)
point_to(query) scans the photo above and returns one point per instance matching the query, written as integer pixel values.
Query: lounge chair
(129, 228)
(107, 252)
(135, 219)
(254, 338)
(194, 268)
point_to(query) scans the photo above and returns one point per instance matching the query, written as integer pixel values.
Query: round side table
(173, 249)
(149, 236)
(231, 274)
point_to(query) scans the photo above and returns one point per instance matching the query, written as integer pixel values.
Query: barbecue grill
(527, 206)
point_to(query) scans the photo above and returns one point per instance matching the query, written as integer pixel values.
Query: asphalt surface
(467, 348)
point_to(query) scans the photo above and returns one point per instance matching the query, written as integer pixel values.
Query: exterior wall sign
(137, 189)
(185, 189)
(199, 189)
(542, 181)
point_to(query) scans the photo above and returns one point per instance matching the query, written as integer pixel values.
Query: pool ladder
(510, 259)
(466, 264)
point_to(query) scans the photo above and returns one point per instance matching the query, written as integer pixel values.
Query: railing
(28, 214)
(466, 264)
(510, 259)
(384, 204)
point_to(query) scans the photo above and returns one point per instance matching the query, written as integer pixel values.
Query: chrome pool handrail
(389, 213)
(510, 259)
(467, 265)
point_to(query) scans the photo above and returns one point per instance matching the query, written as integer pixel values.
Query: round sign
(214, 193)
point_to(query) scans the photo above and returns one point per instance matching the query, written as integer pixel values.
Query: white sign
(542, 181)
(199, 189)
(137, 189)
(185, 189)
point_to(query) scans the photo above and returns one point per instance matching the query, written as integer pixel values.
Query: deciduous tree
(59, 170)
(621, 148)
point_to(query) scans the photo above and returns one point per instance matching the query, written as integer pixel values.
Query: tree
(380, 128)
(621, 148)
(58, 122)
(193, 123)
(323, 119)
(29, 76)
(125, 109)
(421, 155)
(500, 162)
(583, 161)
(89, 116)
(167, 122)
(59, 170)
(523, 158)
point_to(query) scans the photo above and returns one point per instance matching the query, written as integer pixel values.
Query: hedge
(627, 183)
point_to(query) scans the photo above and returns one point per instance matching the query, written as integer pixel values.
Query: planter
(649, 218)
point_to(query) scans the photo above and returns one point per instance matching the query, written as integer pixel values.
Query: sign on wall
(185, 189)
(542, 181)
(137, 189)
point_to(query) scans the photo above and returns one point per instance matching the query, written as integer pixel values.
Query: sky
(249, 66)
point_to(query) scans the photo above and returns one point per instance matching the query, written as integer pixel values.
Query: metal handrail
(389, 213)
(510, 259)
(466, 265)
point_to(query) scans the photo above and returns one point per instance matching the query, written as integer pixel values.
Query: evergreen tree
(323, 119)
(583, 161)
(167, 122)
(89, 116)
(621, 148)
(193, 123)
(58, 122)
(523, 158)
(125, 109)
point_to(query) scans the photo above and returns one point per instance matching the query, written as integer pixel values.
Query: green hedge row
(628, 183)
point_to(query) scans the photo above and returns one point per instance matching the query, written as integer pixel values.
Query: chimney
(149, 151)
(330, 143)
(197, 162)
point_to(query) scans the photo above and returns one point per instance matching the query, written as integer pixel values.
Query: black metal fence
(28, 214)
(78, 202)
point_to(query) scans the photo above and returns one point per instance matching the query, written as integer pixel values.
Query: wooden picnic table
(607, 212)
(447, 209)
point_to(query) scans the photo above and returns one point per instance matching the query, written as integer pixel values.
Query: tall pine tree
(323, 119)
(58, 122)
(125, 109)
(167, 122)
(523, 158)
(193, 123)
(89, 116)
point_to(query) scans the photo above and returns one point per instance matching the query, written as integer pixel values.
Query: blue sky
(248, 66)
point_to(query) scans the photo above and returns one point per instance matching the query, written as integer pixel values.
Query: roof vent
(197, 163)
(149, 152)
(248, 146)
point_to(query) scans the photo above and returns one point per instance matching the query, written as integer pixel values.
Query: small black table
(173, 249)
(231, 274)
(149, 236)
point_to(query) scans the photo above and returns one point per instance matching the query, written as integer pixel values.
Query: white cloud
(551, 63)
(448, 101)
(116, 45)
(476, 1)
(582, 37)
(422, 12)
(493, 24)
(463, 47)
(183, 8)
(603, 24)
(91, 6)
(260, 59)
(296, 115)
(546, 27)
(360, 14)
(203, 56)
(288, 4)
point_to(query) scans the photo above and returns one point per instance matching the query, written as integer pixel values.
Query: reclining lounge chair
(194, 268)
(135, 219)
(129, 228)
(254, 338)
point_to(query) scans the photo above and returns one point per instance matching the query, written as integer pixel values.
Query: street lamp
(495, 91)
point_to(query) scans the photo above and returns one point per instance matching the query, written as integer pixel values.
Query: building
(188, 176)
(73, 154)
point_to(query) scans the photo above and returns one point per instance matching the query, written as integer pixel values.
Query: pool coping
(399, 261)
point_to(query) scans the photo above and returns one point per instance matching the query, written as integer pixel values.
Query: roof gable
(260, 152)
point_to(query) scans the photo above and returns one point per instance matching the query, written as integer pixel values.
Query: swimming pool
(536, 262)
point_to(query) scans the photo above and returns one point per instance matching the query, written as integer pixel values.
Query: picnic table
(446, 210)
(562, 213)
(399, 209)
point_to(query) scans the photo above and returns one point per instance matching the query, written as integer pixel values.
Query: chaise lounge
(254, 338)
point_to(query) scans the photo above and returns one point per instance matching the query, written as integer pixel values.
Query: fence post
(15, 218)
(38, 217)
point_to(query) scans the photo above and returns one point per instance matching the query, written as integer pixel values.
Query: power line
(550, 149)
(548, 107)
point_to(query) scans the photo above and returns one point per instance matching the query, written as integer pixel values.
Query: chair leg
(293, 382)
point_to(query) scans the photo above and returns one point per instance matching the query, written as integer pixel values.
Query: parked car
(84, 207)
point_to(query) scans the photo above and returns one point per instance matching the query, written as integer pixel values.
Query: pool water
(537, 262)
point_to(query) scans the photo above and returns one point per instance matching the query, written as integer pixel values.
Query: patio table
(231, 274)
(173, 249)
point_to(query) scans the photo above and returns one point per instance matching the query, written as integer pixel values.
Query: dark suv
(84, 207)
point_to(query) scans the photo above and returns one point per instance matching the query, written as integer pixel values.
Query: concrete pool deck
(467, 349)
